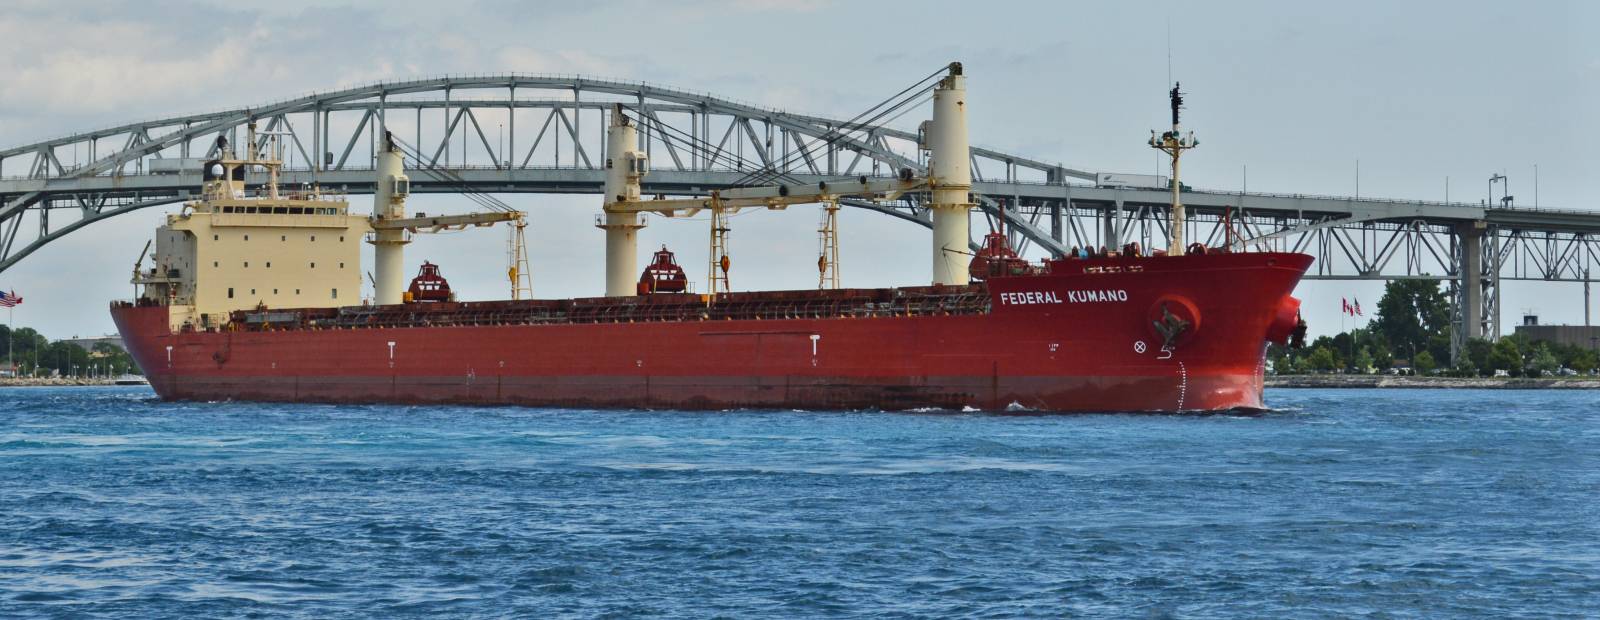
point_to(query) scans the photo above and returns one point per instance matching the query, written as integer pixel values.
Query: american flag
(1358, 307)
(9, 299)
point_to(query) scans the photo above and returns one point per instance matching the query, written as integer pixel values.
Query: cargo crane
(948, 181)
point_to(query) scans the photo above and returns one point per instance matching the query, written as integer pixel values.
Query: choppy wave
(1336, 504)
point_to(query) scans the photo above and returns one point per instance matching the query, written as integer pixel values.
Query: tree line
(33, 355)
(1413, 328)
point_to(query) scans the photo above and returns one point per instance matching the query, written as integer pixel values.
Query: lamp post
(1492, 180)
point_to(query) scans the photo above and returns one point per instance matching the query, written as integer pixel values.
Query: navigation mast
(1174, 143)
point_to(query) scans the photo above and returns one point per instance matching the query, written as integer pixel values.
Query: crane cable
(452, 179)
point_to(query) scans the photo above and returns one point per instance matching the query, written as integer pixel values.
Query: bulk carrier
(1120, 329)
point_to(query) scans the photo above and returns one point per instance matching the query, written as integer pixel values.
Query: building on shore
(1583, 335)
(88, 343)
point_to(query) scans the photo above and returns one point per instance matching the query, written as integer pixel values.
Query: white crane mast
(950, 179)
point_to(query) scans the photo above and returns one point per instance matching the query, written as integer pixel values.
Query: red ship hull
(1078, 339)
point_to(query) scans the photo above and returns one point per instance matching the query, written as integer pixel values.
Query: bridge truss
(545, 134)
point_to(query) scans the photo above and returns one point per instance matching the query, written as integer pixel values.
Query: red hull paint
(1067, 351)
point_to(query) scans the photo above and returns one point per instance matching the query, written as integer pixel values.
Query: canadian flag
(1347, 309)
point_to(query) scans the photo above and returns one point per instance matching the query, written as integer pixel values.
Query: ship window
(297, 211)
(313, 237)
(247, 263)
(274, 291)
(213, 237)
(313, 265)
(297, 291)
(230, 293)
(283, 238)
(247, 237)
(335, 293)
(281, 210)
(252, 291)
(249, 209)
(341, 239)
(341, 265)
(269, 264)
(215, 265)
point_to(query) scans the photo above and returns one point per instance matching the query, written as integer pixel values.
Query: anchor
(1169, 326)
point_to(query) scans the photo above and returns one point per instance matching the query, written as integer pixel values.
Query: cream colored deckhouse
(237, 249)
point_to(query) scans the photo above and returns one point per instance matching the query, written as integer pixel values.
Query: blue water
(1354, 503)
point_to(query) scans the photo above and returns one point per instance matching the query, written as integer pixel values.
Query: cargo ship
(1110, 329)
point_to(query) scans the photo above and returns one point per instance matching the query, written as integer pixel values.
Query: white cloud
(525, 59)
(793, 6)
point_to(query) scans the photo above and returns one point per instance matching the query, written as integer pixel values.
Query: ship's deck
(657, 307)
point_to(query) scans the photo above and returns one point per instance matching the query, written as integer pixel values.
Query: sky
(1294, 93)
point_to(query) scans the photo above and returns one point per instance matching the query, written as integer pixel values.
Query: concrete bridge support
(1477, 301)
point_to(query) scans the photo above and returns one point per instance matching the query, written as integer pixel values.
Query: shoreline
(1439, 383)
(54, 382)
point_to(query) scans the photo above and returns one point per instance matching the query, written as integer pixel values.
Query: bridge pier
(1055, 221)
(1113, 226)
(1477, 301)
(1470, 236)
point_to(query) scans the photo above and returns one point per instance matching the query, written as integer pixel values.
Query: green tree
(1335, 345)
(1477, 352)
(1424, 362)
(111, 359)
(1576, 357)
(1363, 359)
(1505, 356)
(1321, 359)
(1544, 360)
(1439, 348)
(1411, 313)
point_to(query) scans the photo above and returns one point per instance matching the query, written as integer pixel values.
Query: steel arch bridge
(711, 143)
(545, 134)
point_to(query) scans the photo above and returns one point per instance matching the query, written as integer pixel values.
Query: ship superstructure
(1101, 329)
(237, 248)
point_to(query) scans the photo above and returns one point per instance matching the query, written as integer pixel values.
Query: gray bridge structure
(545, 134)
